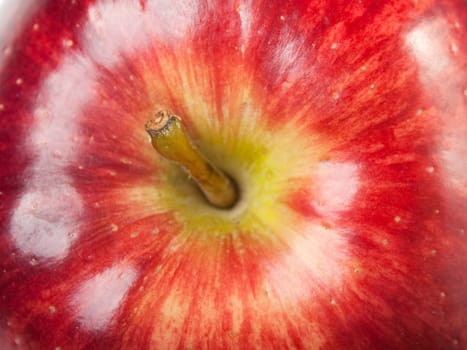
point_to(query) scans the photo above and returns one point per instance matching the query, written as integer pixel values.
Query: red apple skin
(375, 255)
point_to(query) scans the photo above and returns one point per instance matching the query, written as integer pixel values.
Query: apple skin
(345, 124)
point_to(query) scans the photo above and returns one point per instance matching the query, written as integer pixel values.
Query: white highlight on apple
(334, 187)
(425, 39)
(97, 299)
(455, 168)
(317, 256)
(245, 12)
(430, 36)
(313, 259)
(62, 97)
(290, 57)
(48, 211)
(155, 22)
(436, 35)
(38, 226)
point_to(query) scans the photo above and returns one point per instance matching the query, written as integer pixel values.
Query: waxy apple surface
(344, 124)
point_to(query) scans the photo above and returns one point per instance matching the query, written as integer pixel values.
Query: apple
(342, 124)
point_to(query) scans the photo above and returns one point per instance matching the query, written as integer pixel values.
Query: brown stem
(170, 139)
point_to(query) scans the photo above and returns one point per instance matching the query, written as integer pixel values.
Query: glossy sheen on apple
(343, 122)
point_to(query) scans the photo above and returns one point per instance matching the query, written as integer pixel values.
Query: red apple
(343, 124)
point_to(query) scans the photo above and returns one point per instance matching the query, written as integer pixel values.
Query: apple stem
(170, 139)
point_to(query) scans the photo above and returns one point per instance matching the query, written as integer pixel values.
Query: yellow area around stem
(267, 162)
(265, 167)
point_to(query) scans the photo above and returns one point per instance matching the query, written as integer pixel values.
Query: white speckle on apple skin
(430, 169)
(114, 227)
(434, 252)
(7, 51)
(52, 309)
(94, 15)
(68, 43)
(134, 234)
(442, 295)
(35, 27)
(2, 107)
(454, 48)
(397, 219)
(286, 85)
(334, 46)
(19, 81)
(125, 161)
(385, 242)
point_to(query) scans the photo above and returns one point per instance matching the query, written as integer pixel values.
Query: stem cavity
(170, 139)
